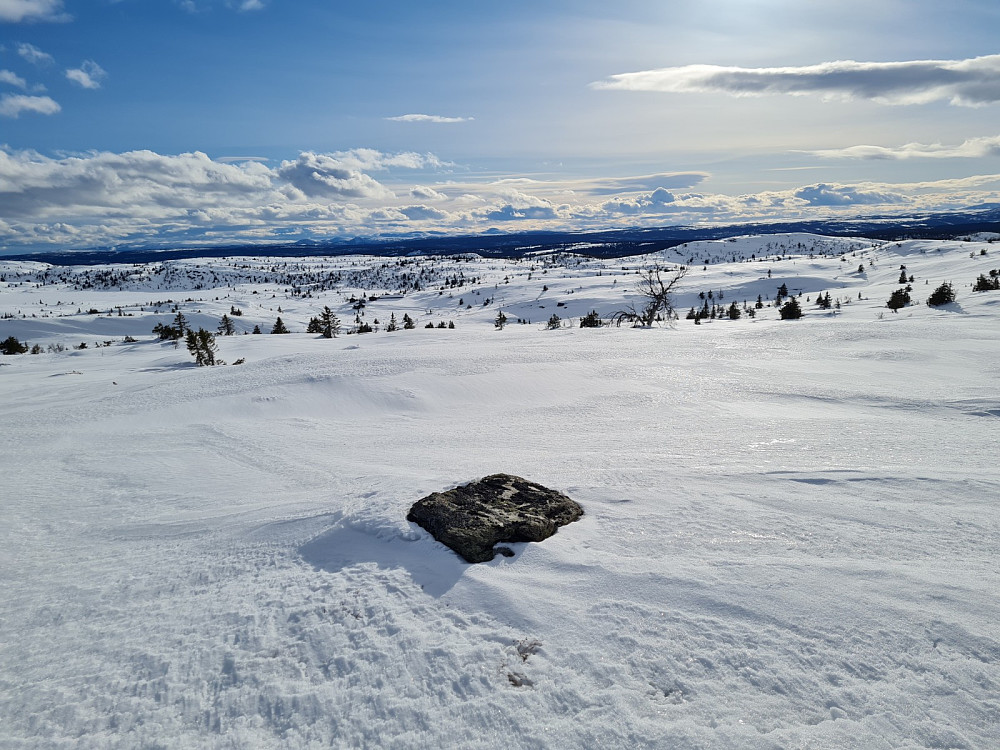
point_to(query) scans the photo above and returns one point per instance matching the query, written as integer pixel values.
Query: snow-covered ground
(791, 532)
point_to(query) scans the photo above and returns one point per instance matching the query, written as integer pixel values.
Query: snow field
(790, 536)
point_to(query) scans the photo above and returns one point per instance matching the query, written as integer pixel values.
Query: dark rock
(473, 518)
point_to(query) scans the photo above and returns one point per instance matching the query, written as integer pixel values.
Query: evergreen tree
(392, 323)
(201, 345)
(593, 320)
(986, 283)
(315, 326)
(500, 321)
(167, 332)
(279, 326)
(181, 324)
(790, 310)
(451, 323)
(256, 329)
(554, 322)
(898, 299)
(226, 327)
(329, 323)
(942, 295)
(734, 312)
(11, 345)
(408, 324)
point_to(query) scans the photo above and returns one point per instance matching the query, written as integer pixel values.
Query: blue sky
(198, 121)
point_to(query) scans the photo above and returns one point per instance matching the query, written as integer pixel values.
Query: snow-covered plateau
(791, 539)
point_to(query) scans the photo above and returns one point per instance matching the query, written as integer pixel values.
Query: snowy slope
(790, 536)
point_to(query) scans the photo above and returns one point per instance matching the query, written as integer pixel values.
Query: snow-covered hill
(791, 527)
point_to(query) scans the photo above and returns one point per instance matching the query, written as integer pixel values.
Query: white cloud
(327, 176)
(136, 184)
(668, 180)
(423, 213)
(428, 194)
(846, 195)
(429, 118)
(18, 11)
(971, 82)
(12, 79)
(12, 105)
(370, 159)
(32, 54)
(973, 148)
(88, 75)
(102, 198)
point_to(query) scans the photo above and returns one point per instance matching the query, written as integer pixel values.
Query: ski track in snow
(790, 537)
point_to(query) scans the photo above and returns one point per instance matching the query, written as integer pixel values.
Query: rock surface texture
(473, 518)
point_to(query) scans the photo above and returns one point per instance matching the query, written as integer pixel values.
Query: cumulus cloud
(654, 202)
(519, 206)
(326, 176)
(102, 198)
(973, 148)
(423, 213)
(134, 184)
(428, 194)
(372, 160)
(667, 180)
(18, 11)
(846, 195)
(32, 54)
(429, 118)
(12, 79)
(88, 75)
(970, 82)
(13, 105)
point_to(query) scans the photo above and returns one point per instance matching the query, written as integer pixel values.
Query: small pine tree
(790, 310)
(942, 295)
(593, 320)
(11, 345)
(554, 322)
(314, 326)
(902, 276)
(329, 323)
(226, 327)
(734, 312)
(392, 323)
(986, 283)
(181, 324)
(167, 333)
(201, 345)
(256, 329)
(500, 321)
(898, 299)
(279, 326)
(408, 324)
(451, 324)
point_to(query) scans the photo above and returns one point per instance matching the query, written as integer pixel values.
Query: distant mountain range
(614, 243)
